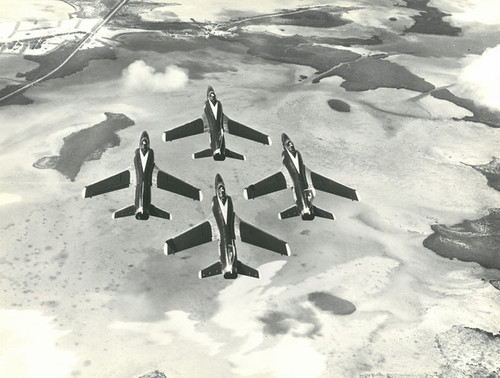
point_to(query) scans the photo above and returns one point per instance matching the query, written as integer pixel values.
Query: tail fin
(246, 270)
(289, 213)
(211, 270)
(323, 213)
(234, 155)
(202, 154)
(125, 212)
(159, 213)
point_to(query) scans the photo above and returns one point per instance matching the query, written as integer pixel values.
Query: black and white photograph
(249, 189)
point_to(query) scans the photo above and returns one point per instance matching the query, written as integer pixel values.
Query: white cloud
(141, 77)
(6, 198)
(28, 346)
(480, 79)
(251, 298)
(34, 10)
(291, 357)
(470, 11)
(295, 354)
(177, 325)
(241, 305)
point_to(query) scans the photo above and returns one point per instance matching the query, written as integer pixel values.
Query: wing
(268, 185)
(238, 129)
(173, 184)
(119, 181)
(191, 128)
(194, 236)
(326, 185)
(252, 235)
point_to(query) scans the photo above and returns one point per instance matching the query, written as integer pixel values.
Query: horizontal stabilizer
(234, 155)
(212, 270)
(125, 212)
(159, 213)
(203, 154)
(323, 213)
(246, 270)
(289, 213)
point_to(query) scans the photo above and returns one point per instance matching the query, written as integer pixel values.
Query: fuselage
(303, 194)
(144, 165)
(227, 247)
(216, 129)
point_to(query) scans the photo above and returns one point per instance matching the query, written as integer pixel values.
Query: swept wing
(191, 128)
(252, 235)
(268, 185)
(238, 129)
(172, 184)
(326, 185)
(116, 182)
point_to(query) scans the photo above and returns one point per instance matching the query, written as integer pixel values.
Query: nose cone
(210, 89)
(285, 139)
(218, 182)
(145, 136)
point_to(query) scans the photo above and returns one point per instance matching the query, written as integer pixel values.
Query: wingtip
(199, 275)
(84, 192)
(113, 216)
(288, 251)
(164, 137)
(245, 193)
(244, 158)
(358, 198)
(166, 249)
(269, 141)
(201, 195)
(193, 157)
(279, 216)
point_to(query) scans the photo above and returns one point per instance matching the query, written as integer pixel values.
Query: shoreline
(84, 145)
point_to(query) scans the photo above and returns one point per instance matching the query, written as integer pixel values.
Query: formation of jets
(223, 224)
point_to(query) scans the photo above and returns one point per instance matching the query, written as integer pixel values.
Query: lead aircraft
(224, 225)
(303, 183)
(143, 174)
(216, 123)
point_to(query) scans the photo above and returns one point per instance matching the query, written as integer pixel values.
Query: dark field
(472, 241)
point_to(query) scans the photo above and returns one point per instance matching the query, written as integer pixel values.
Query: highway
(86, 38)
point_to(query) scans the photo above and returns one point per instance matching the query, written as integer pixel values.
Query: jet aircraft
(143, 174)
(303, 183)
(224, 225)
(216, 123)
